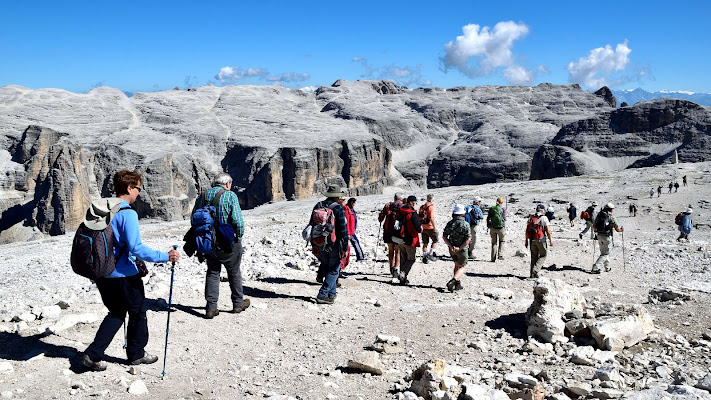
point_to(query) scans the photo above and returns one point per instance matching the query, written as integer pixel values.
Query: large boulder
(552, 298)
(619, 326)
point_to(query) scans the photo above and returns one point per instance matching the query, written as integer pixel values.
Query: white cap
(458, 209)
(609, 206)
(550, 209)
(477, 199)
(689, 210)
(595, 203)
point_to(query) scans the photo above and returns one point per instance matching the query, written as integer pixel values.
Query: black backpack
(93, 251)
(603, 223)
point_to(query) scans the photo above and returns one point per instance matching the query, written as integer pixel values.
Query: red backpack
(321, 230)
(534, 228)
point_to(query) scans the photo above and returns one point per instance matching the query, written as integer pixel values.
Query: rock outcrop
(641, 135)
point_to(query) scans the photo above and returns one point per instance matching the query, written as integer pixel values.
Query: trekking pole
(593, 267)
(125, 335)
(170, 304)
(375, 253)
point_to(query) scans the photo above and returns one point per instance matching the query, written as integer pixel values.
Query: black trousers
(121, 296)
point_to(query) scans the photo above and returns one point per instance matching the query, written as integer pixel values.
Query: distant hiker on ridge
(537, 229)
(496, 222)
(651, 193)
(229, 213)
(474, 215)
(572, 214)
(683, 180)
(604, 225)
(676, 186)
(122, 290)
(671, 185)
(387, 217)
(429, 228)
(457, 237)
(659, 191)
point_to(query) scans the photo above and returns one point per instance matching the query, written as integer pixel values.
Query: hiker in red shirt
(389, 215)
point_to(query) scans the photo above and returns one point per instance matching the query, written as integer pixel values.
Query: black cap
(411, 199)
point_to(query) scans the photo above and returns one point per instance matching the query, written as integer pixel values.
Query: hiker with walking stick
(122, 290)
(605, 224)
(388, 216)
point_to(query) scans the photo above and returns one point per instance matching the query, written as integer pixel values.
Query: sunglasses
(137, 188)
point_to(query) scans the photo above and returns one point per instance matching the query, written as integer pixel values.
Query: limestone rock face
(606, 94)
(59, 150)
(644, 134)
(552, 298)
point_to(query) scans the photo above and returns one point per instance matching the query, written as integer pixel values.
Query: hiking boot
(212, 314)
(146, 359)
(338, 284)
(608, 268)
(245, 305)
(392, 272)
(450, 284)
(501, 257)
(325, 300)
(458, 285)
(471, 257)
(595, 271)
(396, 272)
(426, 258)
(87, 363)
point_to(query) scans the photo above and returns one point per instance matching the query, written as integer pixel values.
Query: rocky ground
(286, 346)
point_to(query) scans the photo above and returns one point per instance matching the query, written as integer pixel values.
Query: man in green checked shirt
(229, 212)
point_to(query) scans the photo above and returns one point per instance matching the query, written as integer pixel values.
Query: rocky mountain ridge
(58, 149)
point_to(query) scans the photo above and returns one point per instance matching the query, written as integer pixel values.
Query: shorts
(430, 234)
(461, 257)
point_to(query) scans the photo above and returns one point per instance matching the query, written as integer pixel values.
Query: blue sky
(152, 45)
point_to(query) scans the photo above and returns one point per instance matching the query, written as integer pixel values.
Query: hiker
(429, 229)
(659, 191)
(389, 214)
(676, 186)
(229, 214)
(332, 254)
(409, 236)
(537, 229)
(350, 228)
(549, 213)
(604, 225)
(685, 225)
(671, 185)
(589, 216)
(457, 237)
(633, 210)
(683, 180)
(651, 193)
(572, 213)
(474, 215)
(360, 256)
(496, 222)
(122, 290)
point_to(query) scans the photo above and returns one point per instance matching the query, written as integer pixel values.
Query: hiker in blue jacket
(122, 290)
(685, 227)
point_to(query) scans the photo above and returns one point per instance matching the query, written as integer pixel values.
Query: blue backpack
(203, 223)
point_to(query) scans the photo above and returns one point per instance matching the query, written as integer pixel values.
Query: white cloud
(232, 74)
(598, 68)
(542, 69)
(482, 51)
(519, 75)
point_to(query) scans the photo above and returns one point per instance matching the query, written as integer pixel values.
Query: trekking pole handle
(175, 247)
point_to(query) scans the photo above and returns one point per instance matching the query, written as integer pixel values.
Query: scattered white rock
(69, 321)
(618, 332)
(138, 388)
(498, 293)
(367, 361)
(552, 298)
(51, 312)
